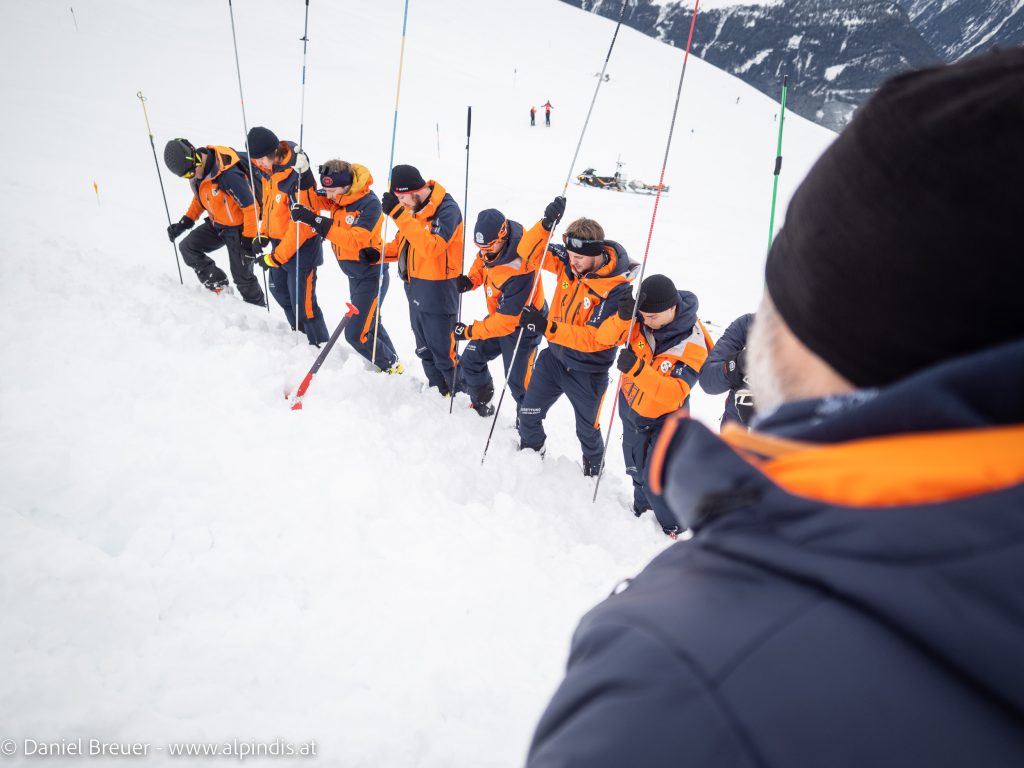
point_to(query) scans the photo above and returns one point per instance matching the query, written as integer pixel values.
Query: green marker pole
(778, 160)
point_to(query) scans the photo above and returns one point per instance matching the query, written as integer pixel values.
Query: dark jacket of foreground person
(853, 595)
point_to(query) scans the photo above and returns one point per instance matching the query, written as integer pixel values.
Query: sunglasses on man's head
(582, 246)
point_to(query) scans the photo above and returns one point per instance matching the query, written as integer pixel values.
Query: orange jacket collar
(437, 194)
(920, 468)
(361, 181)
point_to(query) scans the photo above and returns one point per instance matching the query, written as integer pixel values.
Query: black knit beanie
(657, 293)
(902, 246)
(406, 178)
(261, 141)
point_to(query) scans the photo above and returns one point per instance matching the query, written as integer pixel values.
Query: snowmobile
(618, 182)
(590, 178)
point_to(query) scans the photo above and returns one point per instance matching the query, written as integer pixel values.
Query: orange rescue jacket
(352, 228)
(522, 262)
(222, 206)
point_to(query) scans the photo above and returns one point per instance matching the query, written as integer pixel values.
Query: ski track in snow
(185, 558)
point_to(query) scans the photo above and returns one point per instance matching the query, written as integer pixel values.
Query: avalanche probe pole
(248, 155)
(298, 180)
(647, 248)
(391, 164)
(296, 399)
(465, 213)
(163, 194)
(778, 161)
(544, 253)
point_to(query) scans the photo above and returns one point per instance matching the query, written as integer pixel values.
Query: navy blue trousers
(475, 377)
(585, 391)
(363, 295)
(290, 281)
(434, 345)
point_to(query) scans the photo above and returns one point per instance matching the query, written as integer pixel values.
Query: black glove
(463, 283)
(736, 369)
(300, 213)
(627, 360)
(627, 306)
(462, 331)
(369, 255)
(533, 321)
(553, 213)
(389, 202)
(258, 244)
(183, 225)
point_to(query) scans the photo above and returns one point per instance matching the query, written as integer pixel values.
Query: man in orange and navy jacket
(659, 365)
(428, 249)
(592, 274)
(506, 266)
(220, 187)
(352, 227)
(286, 178)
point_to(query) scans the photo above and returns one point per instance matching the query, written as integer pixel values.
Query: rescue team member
(506, 266)
(352, 226)
(592, 275)
(852, 592)
(220, 186)
(287, 179)
(660, 366)
(726, 371)
(428, 249)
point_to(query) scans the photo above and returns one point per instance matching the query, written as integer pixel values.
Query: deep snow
(183, 557)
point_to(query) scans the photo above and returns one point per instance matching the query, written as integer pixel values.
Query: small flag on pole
(96, 189)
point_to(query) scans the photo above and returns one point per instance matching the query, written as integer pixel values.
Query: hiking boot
(590, 470)
(395, 370)
(483, 409)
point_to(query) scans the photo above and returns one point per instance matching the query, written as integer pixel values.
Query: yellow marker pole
(96, 189)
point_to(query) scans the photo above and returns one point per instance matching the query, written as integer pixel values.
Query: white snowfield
(184, 559)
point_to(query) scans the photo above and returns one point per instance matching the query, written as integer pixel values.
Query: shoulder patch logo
(666, 366)
(490, 291)
(586, 302)
(216, 191)
(565, 285)
(350, 219)
(278, 198)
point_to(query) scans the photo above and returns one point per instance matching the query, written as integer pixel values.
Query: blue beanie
(488, 226)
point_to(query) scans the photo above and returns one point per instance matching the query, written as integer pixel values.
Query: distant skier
(533, 116)
(592, 274)
(504, 268)
(220, 186)
(547, 113)
(353, 228)
(726, 371)
(286, 178)
(428, 249)
(660, 364)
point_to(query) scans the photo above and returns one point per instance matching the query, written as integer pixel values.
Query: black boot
(484, 409)
(214, 279)
(590, 470)
(481, 400)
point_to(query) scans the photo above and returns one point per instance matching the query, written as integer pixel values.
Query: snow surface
(183, 557)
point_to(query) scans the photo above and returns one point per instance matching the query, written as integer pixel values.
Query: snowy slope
(182, 557)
